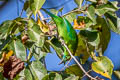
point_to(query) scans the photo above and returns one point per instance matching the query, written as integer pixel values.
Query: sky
(9, 12)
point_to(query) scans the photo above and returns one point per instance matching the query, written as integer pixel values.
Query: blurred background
(11, 9)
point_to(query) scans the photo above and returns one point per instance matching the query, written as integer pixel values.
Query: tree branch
(73, 11)
(76, 60)
(87, 72)
(66, 65)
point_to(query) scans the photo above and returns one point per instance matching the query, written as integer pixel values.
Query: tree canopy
(24, 38)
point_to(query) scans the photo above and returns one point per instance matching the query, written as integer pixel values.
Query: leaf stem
(29, 55)
(42, 17)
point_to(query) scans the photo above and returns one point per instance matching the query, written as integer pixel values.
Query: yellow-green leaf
(72, 77)
(79, 3)
(52, 76)
(38, 70)
(91, 13)
(103, 66)
(35, 5)
(104, 34)
(81, 49)
(19, 49)
(117, 73)
(36, 35)
(74, 69)
(43, 27)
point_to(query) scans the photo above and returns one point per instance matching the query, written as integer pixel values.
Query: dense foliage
(24, 38)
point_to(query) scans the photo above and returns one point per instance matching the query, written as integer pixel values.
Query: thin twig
(87, 72)
(65, 13)
(46, 35)
(76, 60)
(41, 15)
(73, 12)
(17, 7)
(29, 55)
(66, 64)
(47, 18)
(21, 12)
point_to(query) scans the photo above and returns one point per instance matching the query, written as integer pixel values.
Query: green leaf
(74, 69)
(38, 54)
(115, 4)
(104, 34)
(20, 76)
(56, 44)
(82, 50)
(46, 48)
(102, 9)
(93, 1)
(27, 74)
(26, 5)
(70, 17)
(5, 43)
(79, 3)
(4, 27)
(58, 77)
(103, 66)
(28, 44)
(38, 70)
(27, 9)
(10, 27)
(72, 77)
(36, 35)
(19, 25)
(99, 1)
(113, 22)
(91, 13)
(117, 73)
(92, 36)
(1, 76)
(31, 22)
(105, 1)
(46, 77)
(52, 76)
(35, 5)
(19, 49)
(102, 1)
(54, 11)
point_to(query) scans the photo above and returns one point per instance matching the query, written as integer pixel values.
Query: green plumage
(67, 33)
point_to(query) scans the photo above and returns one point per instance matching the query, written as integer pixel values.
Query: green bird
(67, 33)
